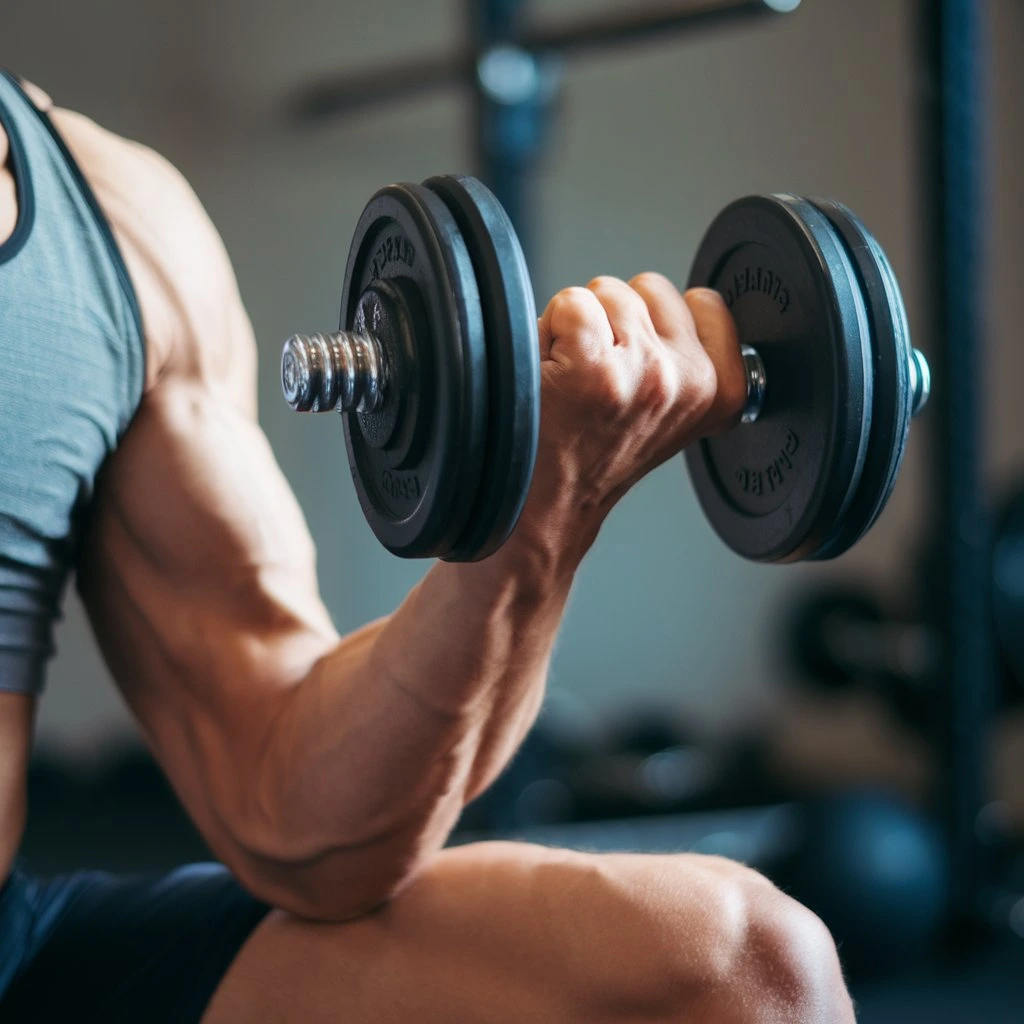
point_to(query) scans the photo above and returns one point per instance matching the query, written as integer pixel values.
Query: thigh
(500, 932)
(98, 947)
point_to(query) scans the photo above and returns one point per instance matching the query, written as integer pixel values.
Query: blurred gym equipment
(841, 636)
(512, 67)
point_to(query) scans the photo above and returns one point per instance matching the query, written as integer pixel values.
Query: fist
(630, 375)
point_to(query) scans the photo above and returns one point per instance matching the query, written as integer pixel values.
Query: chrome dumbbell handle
(337, 372)
(753, 367)
(347, 370)
(920, 381)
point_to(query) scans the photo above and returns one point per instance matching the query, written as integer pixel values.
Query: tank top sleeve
(71, 377)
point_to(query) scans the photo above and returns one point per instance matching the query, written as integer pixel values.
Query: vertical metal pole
(491, 21)
(954, 215)
(513, 93)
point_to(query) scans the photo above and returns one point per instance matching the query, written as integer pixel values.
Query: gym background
(676, 679)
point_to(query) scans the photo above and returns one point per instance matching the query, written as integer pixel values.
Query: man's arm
(325, 770)
(321, 769)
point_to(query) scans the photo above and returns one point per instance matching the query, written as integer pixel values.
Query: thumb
(716, 331)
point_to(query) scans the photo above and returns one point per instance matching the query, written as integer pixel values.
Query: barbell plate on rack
(416, 461)
(513, 363)
(776, 490)
(891, 355)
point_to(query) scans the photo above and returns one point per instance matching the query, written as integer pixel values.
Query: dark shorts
(98, 947)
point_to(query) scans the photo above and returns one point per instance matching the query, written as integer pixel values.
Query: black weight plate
(777, 490)
(513, 363)
(418, 507)
(891, 354)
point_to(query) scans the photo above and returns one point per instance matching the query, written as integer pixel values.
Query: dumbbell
(435, 372)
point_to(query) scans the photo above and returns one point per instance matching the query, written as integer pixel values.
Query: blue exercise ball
(874, 870)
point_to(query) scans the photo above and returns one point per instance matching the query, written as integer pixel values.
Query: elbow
(334, 886)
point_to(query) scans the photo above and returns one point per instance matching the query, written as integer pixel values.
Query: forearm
(375, 753)
(472, 645)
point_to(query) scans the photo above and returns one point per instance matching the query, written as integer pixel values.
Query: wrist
(496, 617)
(541, 556)
(526, 573)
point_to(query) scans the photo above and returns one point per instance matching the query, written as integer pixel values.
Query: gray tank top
(71, 375)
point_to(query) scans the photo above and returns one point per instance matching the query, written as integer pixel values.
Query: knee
(789, 960)
(763, 957)
(702, 938)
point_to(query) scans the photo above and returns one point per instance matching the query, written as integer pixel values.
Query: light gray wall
(650, 144)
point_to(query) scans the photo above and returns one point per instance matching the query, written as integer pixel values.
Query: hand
(630, 375)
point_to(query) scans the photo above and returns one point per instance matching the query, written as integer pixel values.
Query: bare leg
(506, 932)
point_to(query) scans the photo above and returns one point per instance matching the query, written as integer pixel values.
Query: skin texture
(327, 771)
(505, 932)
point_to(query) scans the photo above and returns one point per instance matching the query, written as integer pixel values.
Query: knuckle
(604, 282)
(572, 308)
(706, 297)
(649, 280)
(710, 313)
(572, 298)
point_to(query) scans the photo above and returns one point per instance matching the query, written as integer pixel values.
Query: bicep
(199, 576)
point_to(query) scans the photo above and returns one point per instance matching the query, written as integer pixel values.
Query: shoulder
(194, 321)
